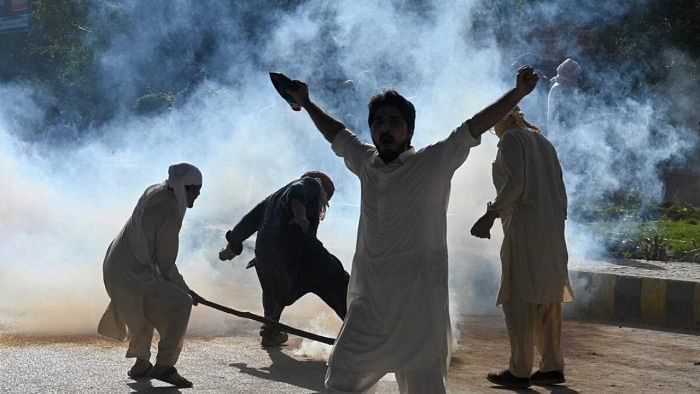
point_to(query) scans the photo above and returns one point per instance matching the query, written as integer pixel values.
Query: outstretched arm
(244, 229)
(489, 116)
(325, 123)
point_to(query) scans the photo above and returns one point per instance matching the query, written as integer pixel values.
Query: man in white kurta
(532, 204)
(564, 100)
(398, 315)
(146, 289)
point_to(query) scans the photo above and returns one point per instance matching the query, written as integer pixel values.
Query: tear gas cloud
(62, 205)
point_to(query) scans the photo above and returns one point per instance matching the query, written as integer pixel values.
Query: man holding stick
(145, 287)
(398, 315)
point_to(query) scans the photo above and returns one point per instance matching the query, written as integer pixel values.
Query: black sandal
(171, 376)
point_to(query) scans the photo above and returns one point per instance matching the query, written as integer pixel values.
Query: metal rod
(282, 327)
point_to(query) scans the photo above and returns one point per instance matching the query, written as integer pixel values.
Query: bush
(653, 247)
(643, 242)
(682, 211)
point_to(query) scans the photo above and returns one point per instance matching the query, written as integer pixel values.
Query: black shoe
(171, 376)
(505, 378)
(140, 374)
(272, 339)
(549, 377)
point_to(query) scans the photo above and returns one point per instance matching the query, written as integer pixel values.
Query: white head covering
(569, 72)
(179, 175)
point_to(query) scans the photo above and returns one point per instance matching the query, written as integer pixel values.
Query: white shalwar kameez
(532, 204)
(146, 289)
(398, 314)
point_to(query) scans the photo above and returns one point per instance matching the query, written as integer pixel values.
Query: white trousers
(539, 323)
(167, 309)
(428, 381)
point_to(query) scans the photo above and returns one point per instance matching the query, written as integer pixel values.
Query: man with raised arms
(398, 316)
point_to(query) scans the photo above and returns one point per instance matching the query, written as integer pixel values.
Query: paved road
(599, 358)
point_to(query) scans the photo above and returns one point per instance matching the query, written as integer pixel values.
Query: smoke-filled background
(101, 96)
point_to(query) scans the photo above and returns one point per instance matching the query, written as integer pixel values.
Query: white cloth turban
(569, 72)
(181, 175)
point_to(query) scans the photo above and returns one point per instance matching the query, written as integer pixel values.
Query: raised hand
(300, 95)
(526, 80)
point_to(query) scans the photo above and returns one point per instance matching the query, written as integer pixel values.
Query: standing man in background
(563, 101)
(532, 204)
(398, 314)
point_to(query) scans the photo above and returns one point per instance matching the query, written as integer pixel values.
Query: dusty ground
(600, 359)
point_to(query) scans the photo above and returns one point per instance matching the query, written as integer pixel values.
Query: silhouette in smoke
(566, 104)
(146, 289)
(289, 259)
(563, 103)
(532, 205)
(398, 313)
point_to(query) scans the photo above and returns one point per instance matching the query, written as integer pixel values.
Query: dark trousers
(313, 270)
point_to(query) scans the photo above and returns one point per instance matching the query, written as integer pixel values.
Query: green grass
(680, 236)
(668, 232)
(662, 239)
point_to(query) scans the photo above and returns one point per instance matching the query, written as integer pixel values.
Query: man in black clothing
(289, 260)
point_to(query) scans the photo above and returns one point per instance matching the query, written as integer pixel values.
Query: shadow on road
(145, 386)
(555, 389)
(286, 369)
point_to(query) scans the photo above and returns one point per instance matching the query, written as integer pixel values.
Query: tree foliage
(660, 39)
(54, 53)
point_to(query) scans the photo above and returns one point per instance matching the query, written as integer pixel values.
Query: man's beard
(388, 156)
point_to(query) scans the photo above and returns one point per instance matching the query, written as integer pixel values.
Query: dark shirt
(270, 218)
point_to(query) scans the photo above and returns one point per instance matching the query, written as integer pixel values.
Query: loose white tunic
(126, 278)
(532, 205)
(398, 315)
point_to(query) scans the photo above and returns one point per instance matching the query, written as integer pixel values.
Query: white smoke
(62, 207)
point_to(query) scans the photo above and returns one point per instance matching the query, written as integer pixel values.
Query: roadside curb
(625, 299)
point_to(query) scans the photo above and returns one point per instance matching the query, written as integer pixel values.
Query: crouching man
(289, 259)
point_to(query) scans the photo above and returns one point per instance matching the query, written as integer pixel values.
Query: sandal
(171, 376)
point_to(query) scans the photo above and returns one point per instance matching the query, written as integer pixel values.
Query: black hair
(393, 98)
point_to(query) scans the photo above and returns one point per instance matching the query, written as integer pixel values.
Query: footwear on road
(550, 377)
(507, 379)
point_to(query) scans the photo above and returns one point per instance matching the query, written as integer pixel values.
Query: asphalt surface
(599, 358)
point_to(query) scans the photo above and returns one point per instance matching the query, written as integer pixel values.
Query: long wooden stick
(280, 326)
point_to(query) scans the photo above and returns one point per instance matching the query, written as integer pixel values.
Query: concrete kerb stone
(610, 295)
